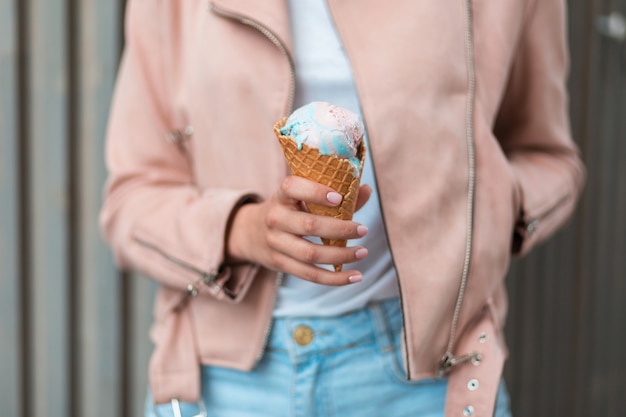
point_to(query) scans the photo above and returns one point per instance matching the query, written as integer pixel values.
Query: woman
(471, 161)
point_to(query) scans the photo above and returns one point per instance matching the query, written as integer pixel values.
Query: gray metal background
(73, 331)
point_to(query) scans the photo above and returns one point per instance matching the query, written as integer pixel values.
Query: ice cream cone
(330, 170)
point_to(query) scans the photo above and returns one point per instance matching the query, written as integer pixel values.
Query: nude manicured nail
(355, 278)
(361, 253)
(334, 197)
(361, 230)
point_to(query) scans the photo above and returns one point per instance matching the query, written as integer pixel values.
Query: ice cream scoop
(330, 129)
(324, 143)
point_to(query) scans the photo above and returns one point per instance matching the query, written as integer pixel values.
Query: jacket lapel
(271, 14)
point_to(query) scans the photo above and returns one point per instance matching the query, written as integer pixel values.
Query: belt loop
(381, 326)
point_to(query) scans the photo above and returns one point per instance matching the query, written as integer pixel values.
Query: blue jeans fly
(345, 366)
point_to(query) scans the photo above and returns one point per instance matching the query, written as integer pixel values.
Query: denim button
(303, 335)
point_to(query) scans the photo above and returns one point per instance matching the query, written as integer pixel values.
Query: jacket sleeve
(533, 127)
(154, 217)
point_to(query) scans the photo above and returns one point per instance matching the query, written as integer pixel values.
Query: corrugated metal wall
(73, 331)
(567, 326)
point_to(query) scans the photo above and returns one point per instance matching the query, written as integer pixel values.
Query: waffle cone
(330, 170)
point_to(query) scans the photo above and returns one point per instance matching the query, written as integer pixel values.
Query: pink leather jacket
(466, 110)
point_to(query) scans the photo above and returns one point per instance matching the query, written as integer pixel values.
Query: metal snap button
(468, 411)
(472, 384)
(303, 335)
(477, 359)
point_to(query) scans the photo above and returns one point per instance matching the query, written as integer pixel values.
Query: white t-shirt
(323, 73)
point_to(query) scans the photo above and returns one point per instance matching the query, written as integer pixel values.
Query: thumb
(365, 191)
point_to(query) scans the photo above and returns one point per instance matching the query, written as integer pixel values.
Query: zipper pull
(191, 292)
(209, 280)
(179, 137)
(449, 361)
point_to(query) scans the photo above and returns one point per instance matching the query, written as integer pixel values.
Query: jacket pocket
(213, 282)
(530, 222)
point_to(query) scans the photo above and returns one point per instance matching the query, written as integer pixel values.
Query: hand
(271, 233)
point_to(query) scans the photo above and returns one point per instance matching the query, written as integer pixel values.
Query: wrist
(238, 234)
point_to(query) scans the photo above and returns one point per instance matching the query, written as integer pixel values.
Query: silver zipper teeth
(289, 108)
(393, 262)
(534, 221)
(272, 38)
(207, 278)
(448, 357)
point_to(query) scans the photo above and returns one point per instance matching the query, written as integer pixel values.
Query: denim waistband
(379, 321)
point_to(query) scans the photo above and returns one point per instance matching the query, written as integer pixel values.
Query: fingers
(313, 273)
(305, 224)
(284, 248)
(288, 216)
(294, 189)
(297, 256)
(313, 253)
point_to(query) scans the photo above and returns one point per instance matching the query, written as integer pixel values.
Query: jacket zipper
(530, 225)
(449, 360)
(208, 278)
(276, 41)
(272, 37)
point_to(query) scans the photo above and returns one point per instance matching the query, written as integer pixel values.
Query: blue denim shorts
(350, 365)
